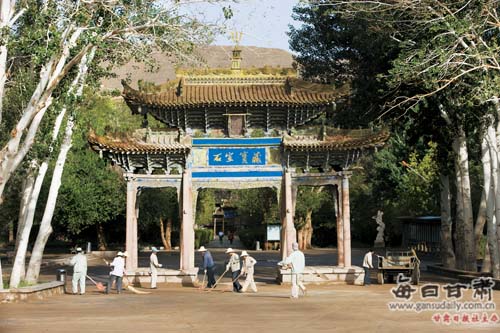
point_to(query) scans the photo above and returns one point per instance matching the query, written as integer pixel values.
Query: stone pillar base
(141, 277)
(326, 275)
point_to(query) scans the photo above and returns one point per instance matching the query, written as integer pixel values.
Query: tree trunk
(45, 226)
(20, 259)
(466, 253)
(166, 234)
(101, 238)
(480, 220)
(486, 266)
(447, 253)
(308, 230)
(494, 192)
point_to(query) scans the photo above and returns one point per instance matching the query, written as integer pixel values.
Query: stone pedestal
(326, 275)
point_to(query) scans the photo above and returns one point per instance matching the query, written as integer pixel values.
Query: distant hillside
(208, 56)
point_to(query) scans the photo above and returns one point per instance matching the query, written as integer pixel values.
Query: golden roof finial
(236, 37)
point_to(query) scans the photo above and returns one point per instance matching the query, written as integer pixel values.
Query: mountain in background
(207, 56)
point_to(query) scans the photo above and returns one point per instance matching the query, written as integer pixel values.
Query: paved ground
(172, 308)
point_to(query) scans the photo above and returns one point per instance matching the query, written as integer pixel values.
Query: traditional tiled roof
(133, 146)
(291, 91)
(336, 142)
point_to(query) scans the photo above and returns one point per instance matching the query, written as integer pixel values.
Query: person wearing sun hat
(208, 266)
(79, 263)
(153, 267)
(116, 274)
(234, 265)
(248, 268)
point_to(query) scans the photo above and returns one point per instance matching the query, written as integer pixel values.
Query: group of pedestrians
(240, 266)
(243, 266)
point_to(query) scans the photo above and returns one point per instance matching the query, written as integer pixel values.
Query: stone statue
(379, 241)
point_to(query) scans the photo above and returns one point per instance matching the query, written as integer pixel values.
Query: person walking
(248, 270)
(230, 237)
(79, 263)
(208, 266)
(153, 267)
(367, 265)
(221, 236)
(234, 265)
(296, 262)
(116, 274)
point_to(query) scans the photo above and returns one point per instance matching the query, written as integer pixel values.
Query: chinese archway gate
(214, 120)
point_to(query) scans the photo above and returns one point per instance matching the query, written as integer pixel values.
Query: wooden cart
(395, 262)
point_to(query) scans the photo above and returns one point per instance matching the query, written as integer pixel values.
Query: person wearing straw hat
(248, 265)
(79, 263)
(208, 266)
(153, 267)
(234, 265)
(116, 274)
(296, 262)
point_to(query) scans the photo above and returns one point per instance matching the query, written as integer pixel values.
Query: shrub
(202, 237)
(249, 236)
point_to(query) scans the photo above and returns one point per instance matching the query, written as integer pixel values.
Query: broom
(98, 285)
(129, 286)
(202, 286)
(218, 280)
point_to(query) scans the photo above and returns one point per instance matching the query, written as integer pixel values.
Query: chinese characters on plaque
(236, 156)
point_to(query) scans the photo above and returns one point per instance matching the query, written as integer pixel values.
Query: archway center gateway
(237, 130)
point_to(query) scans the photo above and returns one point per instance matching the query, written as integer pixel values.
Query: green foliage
(206, 206)
(309, 200)
(156, 204)
(202, 237)
(345, 51)
(249, 236)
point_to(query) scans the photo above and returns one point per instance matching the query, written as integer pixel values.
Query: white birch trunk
(480, 218)
(45, 226)
(20, 259)
(447, 252)
(494, 193)
(490, 196)
(466, 254)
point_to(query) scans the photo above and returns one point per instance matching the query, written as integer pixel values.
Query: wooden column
(131, 229)
(187, 226)
(346, 218)
(340, 225)
(289, 234)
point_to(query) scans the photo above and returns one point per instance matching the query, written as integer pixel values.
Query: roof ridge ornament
(288, 86)
(180, 87)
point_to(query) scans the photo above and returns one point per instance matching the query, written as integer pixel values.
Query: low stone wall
(326, 275)
(141, 276)
(36, 292)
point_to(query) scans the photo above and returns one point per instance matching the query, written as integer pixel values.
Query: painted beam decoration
(236, 156)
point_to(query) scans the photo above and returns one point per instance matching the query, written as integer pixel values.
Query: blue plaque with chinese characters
(236, 156)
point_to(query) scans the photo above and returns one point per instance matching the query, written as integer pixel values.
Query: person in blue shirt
(208, 266)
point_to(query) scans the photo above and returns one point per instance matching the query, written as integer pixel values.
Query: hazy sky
(263, 22)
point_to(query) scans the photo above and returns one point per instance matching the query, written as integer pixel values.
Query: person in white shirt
(153, 266)
(296, 262)
(234, 265)
(116, 274)
(79, 263)
(248, 269)
(367, 264)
